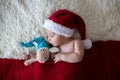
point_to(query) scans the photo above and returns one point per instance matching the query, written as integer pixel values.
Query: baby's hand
(58, 57)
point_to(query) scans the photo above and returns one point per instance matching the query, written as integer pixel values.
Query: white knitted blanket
(21, 20)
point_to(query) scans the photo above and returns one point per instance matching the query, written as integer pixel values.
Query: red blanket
(101, 62)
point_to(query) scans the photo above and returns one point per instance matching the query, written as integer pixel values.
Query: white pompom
(87, 43)
(54, 50)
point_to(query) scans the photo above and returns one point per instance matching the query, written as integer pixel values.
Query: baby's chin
(55, 45)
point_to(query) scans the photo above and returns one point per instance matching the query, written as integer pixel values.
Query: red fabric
(101, 62)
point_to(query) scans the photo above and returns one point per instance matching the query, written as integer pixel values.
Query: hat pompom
(87, 43)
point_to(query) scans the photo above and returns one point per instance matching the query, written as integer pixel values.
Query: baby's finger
(55, 60)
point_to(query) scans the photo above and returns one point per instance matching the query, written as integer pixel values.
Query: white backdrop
(21, 20)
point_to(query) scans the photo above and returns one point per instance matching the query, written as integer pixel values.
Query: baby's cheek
(58, 42)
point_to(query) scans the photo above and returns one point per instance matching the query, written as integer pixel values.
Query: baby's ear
(54, 49)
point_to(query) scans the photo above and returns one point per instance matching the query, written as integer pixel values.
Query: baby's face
(54, 39)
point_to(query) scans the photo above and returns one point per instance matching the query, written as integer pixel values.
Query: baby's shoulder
(77, 42)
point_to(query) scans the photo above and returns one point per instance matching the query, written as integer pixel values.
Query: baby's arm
(74, 57)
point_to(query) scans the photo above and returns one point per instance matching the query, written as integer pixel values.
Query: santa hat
(65, 22)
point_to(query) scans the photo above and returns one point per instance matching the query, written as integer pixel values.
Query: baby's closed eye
(51, 35)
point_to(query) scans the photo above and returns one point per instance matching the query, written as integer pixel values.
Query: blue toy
(42, 48)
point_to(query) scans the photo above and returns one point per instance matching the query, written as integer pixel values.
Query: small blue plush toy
(43, 50)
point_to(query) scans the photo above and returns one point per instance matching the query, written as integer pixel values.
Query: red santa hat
(65, 22)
